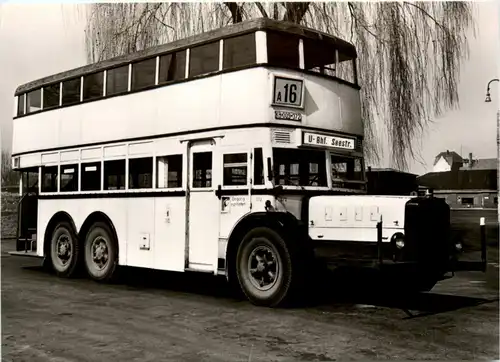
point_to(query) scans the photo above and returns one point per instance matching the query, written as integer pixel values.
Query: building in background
(464, 183)
(447, 161)
(387, 181)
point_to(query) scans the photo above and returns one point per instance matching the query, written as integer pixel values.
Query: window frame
(129, 174)
(181, 173)
(247, 165)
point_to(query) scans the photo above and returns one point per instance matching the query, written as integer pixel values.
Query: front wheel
(264, 268)
(101, 253)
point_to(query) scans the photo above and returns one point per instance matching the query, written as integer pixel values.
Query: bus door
(203, 218)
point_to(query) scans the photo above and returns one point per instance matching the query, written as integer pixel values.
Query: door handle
(218, 192)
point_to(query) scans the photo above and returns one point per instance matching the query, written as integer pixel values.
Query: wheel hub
(100, 252)
(263, 268)
(63, 248)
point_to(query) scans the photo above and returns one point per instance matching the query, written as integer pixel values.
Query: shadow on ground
(358, 288)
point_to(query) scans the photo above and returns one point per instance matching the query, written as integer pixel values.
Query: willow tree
(409, 54)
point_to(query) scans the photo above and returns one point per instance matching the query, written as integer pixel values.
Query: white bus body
(250, 169)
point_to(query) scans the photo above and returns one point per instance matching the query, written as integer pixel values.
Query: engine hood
(355, 217)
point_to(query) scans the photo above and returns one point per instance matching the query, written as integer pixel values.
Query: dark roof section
(375, 169)
(481, 164)
(225, 32)
(452, 157)
(460, 180)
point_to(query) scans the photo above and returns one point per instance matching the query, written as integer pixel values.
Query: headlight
(399, 240)
(458, 246)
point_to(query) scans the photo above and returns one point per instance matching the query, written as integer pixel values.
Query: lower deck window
(169, 171)
(91, 176)
(49, 179)
(140, 173)
(235, 169)
(69, 178)
(299, 167)
(114, 175)
(202, 169)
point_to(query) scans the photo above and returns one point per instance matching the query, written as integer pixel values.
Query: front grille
(427, 231)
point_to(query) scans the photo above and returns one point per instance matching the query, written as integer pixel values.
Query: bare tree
(9, 177)
(409, 53)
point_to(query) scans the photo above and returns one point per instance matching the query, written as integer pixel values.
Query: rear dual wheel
(100, 252)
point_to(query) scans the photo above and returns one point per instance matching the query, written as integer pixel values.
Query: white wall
(441, 166)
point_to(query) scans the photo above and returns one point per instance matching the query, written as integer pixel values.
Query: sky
(37, 40)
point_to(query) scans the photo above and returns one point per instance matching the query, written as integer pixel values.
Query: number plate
(287, 92)
(287, 116)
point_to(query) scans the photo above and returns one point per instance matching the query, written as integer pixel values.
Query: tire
(64, 251)
(101, 253)
(266, 245)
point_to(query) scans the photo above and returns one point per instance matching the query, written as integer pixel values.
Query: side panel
(170, 233)
(221, 100)
(79, 210)
(354, 218)
(140, 232)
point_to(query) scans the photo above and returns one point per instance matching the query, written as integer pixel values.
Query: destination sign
(312, 139)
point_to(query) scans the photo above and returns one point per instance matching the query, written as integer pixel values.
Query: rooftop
(232, 30)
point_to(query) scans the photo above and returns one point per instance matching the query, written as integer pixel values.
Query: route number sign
(287, 92)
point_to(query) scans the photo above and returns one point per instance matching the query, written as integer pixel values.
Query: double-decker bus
(237, 152)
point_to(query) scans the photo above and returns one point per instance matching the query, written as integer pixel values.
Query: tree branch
(261, 9)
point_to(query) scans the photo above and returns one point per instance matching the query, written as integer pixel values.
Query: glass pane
(34, 101)
(239, 51)
(204, 59)
(114, 175)
(172, 67)
(169, 171)
(140, 173)
(283, 50)
(91, 176)
(143, 74)
(20, 105)
(299, 167)
(51, 96)
(69, 178)
(93, 86)
(202, 169)
(71, 91)
(117, 80)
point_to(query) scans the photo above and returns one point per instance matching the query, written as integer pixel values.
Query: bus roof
(225, 32)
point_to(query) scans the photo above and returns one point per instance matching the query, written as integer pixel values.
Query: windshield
(347, 172)
(297, 167)
(294, 167)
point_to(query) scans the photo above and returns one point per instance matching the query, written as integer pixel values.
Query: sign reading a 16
(287, 92)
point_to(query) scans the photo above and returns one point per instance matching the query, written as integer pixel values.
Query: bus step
(31, 254)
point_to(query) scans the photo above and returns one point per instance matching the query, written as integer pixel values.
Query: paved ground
(154, 316)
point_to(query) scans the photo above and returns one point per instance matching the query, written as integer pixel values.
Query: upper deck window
(71, 91)
(143, 74)
(239, 51)
(117, 80)
(92, 86)
(320, 57)
(204, 59)
(20, 104)
(172, 67)
(51, 96)
(283, 50)
(34, 101)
